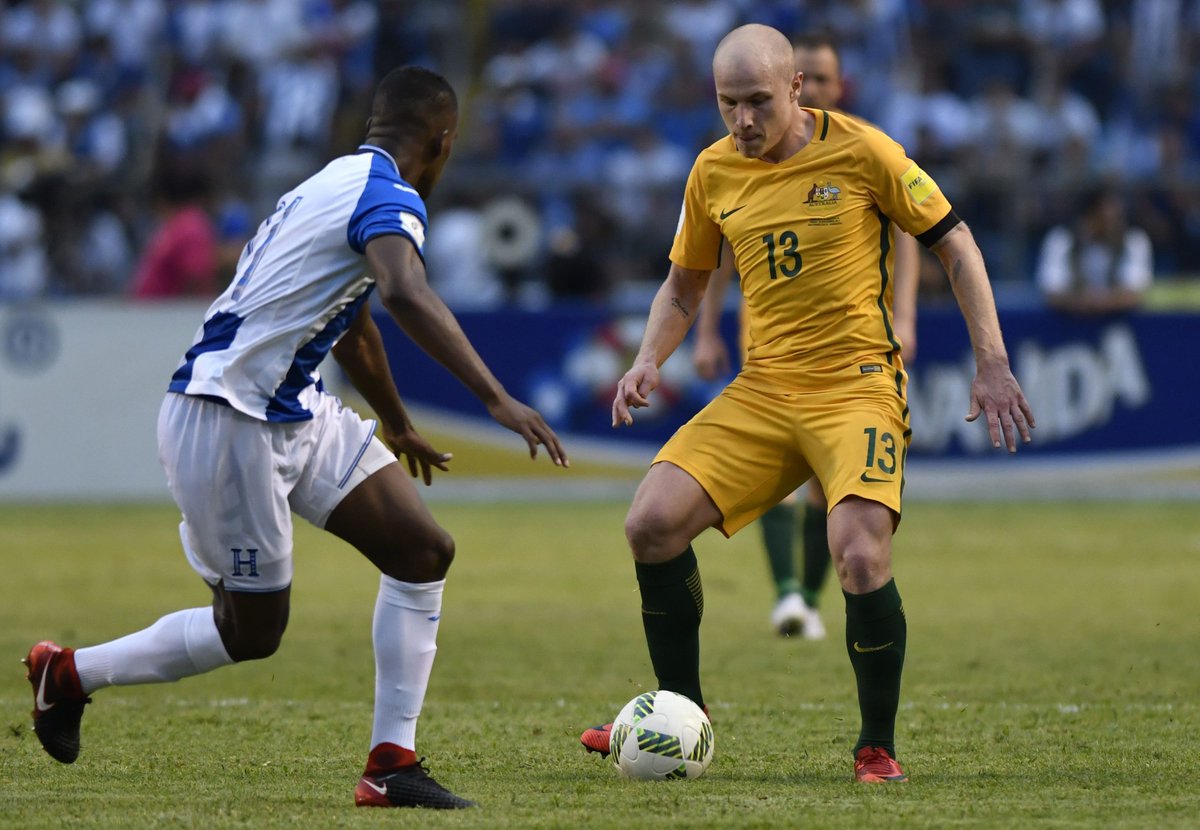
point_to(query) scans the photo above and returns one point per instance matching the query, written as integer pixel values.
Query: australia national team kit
(822, 388)
(250, 437)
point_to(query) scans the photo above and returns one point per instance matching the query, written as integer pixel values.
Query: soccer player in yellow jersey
(807, 199)
(796, 602)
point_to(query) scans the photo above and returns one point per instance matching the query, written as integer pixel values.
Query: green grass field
(1052, 679)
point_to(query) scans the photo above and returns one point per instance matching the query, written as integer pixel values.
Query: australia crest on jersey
(823, 195)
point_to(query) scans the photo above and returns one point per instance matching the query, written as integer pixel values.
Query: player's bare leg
(860, 540)
(669, 510)
(239, 626)
(385, 519)
(251, 623)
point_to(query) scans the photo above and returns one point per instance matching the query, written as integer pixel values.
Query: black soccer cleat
(57, 700)
(408, 786)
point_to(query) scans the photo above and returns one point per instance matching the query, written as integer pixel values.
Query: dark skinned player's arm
(405, 292)
(361, 354)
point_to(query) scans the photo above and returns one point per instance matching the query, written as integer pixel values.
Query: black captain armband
(934, 235)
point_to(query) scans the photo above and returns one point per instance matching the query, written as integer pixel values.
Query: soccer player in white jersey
(247, 437)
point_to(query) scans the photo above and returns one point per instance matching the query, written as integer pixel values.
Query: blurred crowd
(141, 141)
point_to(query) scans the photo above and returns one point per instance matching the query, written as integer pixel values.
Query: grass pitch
(1052, 679)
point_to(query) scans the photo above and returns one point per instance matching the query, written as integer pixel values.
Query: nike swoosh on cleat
(379, 788)
(869, 480)
(39, 702)
(725, 214)
(869, 649)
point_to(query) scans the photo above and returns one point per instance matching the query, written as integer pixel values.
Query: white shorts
(238, 479)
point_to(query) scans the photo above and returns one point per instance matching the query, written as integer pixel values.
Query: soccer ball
(661, 735)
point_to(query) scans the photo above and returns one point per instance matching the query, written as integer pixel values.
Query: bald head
(755, 49)
(757, 87)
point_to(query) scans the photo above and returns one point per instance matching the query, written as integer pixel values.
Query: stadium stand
(588, 111)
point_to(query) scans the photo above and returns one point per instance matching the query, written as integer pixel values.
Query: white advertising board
(80, 387)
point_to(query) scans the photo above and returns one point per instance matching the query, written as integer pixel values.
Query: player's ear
(437, 145)
(441, 144)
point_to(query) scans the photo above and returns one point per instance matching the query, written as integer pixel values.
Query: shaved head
(757, 88)
(757, 49)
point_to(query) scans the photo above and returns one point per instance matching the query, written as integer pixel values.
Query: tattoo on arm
(680, 307)
(955, 271)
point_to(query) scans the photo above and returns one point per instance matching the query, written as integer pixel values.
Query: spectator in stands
(181, 258)
(1014, 104)
(1102, 265)
(23, 264)
(49, 29)
(1070, 131)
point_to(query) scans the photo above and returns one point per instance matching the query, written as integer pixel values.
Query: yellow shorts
(753, 445)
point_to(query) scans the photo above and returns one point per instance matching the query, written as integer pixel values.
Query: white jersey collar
(373, 149)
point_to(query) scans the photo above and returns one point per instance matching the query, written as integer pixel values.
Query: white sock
(178, 645)
(405, 636)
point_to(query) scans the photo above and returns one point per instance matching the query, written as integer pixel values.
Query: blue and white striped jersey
(298, 285)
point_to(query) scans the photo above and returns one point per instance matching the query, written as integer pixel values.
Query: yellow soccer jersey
(811, 238)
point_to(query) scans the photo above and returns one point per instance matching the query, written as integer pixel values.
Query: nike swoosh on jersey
(725, 214)
(869, 649)
(39, 702)
(870, 480)
(405, 189)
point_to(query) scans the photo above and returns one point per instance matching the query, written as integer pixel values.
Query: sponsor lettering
(1072, 388)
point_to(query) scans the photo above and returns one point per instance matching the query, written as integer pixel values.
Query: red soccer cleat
(597, 738)
(58, 699)
(873, 765)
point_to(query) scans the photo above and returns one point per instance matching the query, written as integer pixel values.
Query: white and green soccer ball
(659, 736)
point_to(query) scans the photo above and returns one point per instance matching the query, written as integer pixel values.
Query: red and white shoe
(58, 699)
(408, 786)
(597, 738)
(874, 765)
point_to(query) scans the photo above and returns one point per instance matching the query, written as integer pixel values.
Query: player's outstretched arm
(710, 355)
(995, 391)
(405, 292)
(360, 352)
(671, 315)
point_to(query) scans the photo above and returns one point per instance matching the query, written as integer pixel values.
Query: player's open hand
(710, 356)
(529, 424)
(633, 390)
(996, 393)
(417, 451)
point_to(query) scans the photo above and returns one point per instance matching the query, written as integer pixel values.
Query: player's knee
(862, 567)
(424, 559)
(256, 645)
(440, 552)
(649, 532)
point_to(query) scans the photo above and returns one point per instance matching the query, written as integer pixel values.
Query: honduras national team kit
(251, 436)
